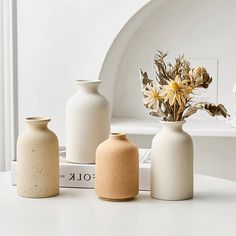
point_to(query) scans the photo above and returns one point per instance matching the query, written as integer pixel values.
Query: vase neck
(173, 126)
(118, 136)
(38, 122)
(88, 86)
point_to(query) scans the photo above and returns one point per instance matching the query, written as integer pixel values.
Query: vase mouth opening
(118, 135)
(172, 122)
(84, 81)
(37, 119)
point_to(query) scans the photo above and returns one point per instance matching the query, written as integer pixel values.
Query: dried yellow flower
(151, 97)
(176, 91)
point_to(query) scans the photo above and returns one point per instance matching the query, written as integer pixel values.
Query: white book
(82, 175)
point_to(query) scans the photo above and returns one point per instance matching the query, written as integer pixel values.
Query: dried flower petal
(176, 91)
(151, 97)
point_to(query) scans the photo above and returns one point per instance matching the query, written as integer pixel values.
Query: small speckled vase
(117, 169)
(37, 160)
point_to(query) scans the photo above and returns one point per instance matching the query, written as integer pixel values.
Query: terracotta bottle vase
(172, 163)
(87, 122)
(117, 168)
(37, 160)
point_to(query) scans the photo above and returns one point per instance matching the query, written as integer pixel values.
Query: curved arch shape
(182, 29)
(115, 52)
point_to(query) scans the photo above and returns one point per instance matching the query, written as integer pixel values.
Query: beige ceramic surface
(37, 160)
(172, 163)
(87, 122)
(117, 169)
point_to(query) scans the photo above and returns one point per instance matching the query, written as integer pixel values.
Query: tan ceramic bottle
(37, 160)
(117, 168)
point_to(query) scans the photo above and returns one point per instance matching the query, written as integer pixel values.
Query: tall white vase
(172, 163)
(87, 122)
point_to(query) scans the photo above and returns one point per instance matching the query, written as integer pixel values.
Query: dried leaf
(144, 78)
(157, 113)
(210, 108)
(190, 111)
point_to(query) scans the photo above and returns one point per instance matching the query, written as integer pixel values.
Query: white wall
(2, 138)
(8, 83)
(60, 41)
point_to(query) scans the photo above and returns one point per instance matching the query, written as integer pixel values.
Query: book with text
(82, 175)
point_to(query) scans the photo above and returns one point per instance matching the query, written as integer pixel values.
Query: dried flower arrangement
(171, 95)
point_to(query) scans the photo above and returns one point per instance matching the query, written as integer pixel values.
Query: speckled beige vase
(117, 168)
(37, 160)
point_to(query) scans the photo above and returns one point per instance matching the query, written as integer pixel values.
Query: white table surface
(212, 212)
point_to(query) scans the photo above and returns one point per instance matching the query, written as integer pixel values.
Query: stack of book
(82, 175)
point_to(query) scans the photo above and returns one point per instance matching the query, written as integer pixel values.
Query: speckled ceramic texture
(87, 122)
(37, 160)
(172, 163)
(117, 169)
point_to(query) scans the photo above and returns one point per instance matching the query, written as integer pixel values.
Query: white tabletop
(80, 212)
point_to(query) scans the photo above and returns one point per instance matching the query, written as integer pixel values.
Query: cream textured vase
(172, 163)
(87, 122)
(37, 160)
(117, 168)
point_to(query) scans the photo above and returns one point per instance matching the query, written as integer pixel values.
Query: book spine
(82, 176)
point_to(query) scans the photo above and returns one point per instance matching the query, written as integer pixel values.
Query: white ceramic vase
(37, 160)
(172, 163)
(87, 122)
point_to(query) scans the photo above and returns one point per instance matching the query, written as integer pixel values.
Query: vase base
(173, 199)
(83, 163)
(38, 196)
(117, 199)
